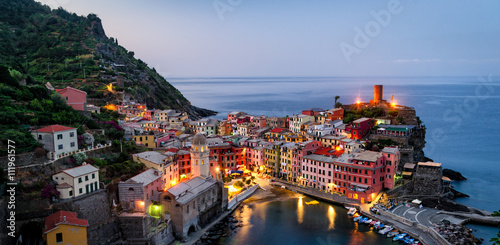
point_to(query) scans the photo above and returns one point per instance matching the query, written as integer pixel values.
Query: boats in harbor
(385, 230)
(352, 211)
(368, 221)
(398, 237)
(355, 219)
(373, 222)
(392, 233)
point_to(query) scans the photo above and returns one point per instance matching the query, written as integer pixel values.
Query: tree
(238, 184)
(49, 191)
(338, 104)
(80, 157)
(336, 98)
(6, 78)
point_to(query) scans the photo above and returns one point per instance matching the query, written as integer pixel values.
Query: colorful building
(64, 227)
(57, 140)
(359, 128)
(74, 97)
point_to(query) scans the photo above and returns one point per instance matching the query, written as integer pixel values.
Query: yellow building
(64, 227)
(145, 139)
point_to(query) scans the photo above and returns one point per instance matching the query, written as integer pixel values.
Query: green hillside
(44, 45)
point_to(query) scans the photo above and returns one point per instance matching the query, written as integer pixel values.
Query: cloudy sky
(240, 38)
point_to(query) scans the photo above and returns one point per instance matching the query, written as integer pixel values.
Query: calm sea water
(292, 221)
(461, 114)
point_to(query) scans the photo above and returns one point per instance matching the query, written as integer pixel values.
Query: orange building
(64, 227)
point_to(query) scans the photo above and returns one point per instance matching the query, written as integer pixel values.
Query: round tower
(378, 93)
(199, 156)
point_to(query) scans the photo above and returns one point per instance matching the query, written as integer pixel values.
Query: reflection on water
(300, 211)
(331, 218)
(291, 221)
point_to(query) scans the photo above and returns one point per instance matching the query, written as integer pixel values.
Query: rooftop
(152, 156)
(80, 170)
(53, 128)
(429, 164)
(361, 120)
(146, 177)
(186, 191)
(63, 217)
(390, 150)
(369, 156)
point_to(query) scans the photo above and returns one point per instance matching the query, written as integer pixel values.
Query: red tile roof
(63, 217)
(62, 90)
(53, 128)
(277, 130)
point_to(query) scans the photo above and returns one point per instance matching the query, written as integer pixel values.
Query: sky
(262, 38)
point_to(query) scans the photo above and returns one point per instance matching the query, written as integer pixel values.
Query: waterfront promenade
(422, 233)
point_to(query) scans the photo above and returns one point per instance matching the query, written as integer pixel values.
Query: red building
(312, 112)
(336, 114)
(74, 97)
(243, 119)
(359, 128)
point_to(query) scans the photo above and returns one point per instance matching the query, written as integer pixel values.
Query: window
(70, 193)
(93, 176)
(59, 136)
(59, 235)
(72, 144)
(71, 134)
(80, 191)
(86, 177)
(80, 180)
(39, 137)
(60, 147)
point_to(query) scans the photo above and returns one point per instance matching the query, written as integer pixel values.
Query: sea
(461, 114)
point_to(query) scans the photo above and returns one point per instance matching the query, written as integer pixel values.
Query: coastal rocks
(224, 228)
(453, 175)
(456, 234)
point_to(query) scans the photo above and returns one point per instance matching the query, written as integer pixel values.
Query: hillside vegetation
(44, 45)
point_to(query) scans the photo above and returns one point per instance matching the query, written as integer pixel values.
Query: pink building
(303, 149)
(140, 191)
(161, 139)
(259, 122)
(74, 97)
(391, 157)
(359, 176)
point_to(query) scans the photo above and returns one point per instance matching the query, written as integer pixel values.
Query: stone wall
(427, 180)
(23, 160)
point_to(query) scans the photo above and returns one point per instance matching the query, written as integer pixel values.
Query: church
(194, 203)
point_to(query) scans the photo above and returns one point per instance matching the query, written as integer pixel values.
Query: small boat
(416, 243)
(363, 220)
(368, 221)
(352, 211)
(313, 202)
(373, 222)
(379, 227)
(357, 218)
(385, 230)
(393, 233)
(409, 240)
(377, 224)
(398, 237)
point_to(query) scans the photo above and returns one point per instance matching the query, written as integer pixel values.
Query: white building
(298, 120)
(77, 181)
(57, 139)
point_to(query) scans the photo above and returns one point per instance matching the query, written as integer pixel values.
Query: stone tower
(199, 156)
